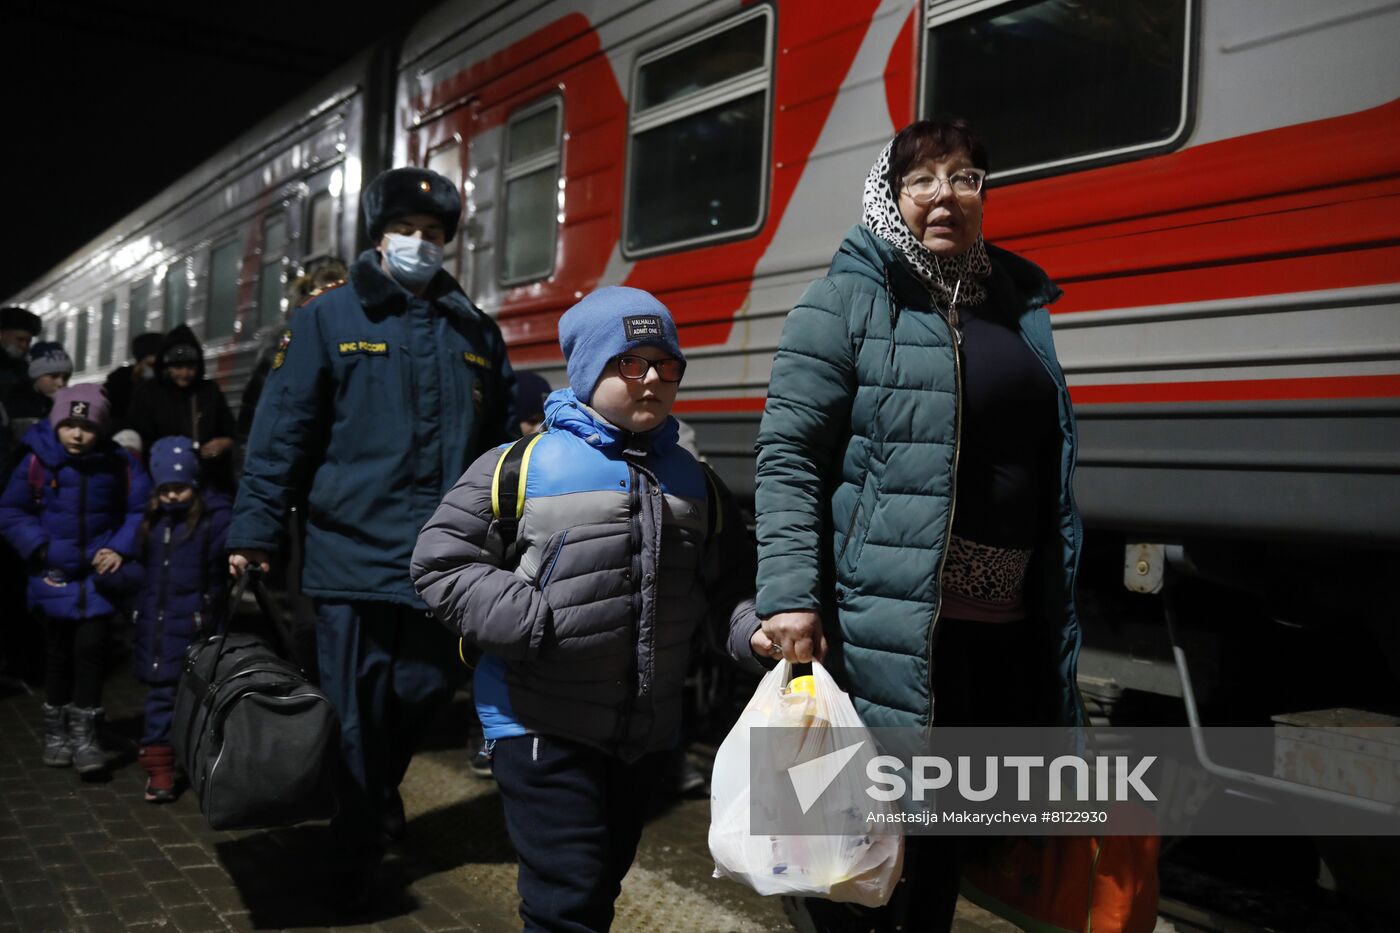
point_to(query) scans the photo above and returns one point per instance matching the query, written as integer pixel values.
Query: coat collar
(381, 295)
(866, 254)
(564, 412)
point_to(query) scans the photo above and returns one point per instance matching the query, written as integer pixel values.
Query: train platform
(92, 855)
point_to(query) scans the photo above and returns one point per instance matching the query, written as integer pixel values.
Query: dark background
(106, 103)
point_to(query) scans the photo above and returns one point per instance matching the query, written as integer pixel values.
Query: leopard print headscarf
(941, 275)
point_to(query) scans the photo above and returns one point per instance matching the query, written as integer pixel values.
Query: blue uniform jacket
(183, 596)
(376, 403)
(84, 504)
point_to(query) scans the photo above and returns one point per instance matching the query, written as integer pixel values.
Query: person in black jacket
(181, 401)
(122, 382)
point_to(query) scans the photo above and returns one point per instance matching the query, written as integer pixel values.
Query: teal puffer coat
(857, 456)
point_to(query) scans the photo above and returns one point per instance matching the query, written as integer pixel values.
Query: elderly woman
(916, 525)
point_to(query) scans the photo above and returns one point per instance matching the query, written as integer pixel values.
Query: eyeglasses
(635, 368)
(965, 183)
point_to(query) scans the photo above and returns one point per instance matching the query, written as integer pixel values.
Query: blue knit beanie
(173, 460)
(608, 323)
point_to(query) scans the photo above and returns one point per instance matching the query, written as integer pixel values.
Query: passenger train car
(1214, 183)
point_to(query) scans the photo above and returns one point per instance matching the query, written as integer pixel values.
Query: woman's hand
(106, 561)
(215, 446)
(238, 561)
(797, 635)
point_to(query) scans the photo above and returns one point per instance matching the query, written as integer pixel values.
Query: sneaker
(479, 758)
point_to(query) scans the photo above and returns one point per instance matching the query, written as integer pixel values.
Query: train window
(320, 226)
(107, 332)
(176, 299)
(61, 330)
(224, 263)
(530, 219)
(80, 343)
(138, 307)
(446, 160)
(1118, 82)
(697, 169)
(271, 283)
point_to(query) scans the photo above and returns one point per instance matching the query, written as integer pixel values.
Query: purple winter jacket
(184, 595)
(58, 511)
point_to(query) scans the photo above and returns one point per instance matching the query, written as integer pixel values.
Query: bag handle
(253, 576)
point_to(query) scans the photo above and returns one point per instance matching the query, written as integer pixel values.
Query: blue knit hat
(48, 359)
(173, 460)
(608, 323)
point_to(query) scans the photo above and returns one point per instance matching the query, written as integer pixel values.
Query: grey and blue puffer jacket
(857, 459)
(58, 510)
(588, 636)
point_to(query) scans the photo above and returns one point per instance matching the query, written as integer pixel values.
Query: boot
(88, 755)
(58, 751)
(158, 761)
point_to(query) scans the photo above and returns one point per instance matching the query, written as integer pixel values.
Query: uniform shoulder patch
(283, 343)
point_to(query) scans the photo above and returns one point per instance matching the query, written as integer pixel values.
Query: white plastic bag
(861, 869)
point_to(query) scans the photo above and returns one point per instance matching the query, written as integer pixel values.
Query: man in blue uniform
(381, 393)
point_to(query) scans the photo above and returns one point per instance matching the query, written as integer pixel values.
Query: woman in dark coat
(181, 401)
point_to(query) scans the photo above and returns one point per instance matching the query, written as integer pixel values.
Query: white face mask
(411, 261)
(17, 353)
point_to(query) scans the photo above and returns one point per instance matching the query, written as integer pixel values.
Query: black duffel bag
(256, 740)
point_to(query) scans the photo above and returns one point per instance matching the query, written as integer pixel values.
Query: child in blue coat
(71, 509)
(182, 598)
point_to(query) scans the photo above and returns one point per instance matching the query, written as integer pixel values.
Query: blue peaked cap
(607, 323)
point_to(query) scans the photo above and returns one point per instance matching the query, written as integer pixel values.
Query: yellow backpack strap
(507, 507)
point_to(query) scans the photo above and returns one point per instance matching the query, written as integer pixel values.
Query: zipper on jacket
(634, 522)
(161, 598)
(952, 494)
(956, 336)
(82, 540)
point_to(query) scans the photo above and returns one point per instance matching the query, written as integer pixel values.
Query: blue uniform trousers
(387, 669)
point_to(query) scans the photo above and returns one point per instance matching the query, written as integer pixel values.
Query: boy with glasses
(606, 546)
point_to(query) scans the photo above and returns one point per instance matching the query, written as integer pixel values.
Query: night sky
(105, 104)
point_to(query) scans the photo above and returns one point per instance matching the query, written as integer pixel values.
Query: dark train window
(107, 331)
(138, 307)
(530, 179)
(1049, 83)
(80, 344)
(224, 263)
(176, 297)
(270, 271)
(697, 170)
(320, 226)
(61, 330)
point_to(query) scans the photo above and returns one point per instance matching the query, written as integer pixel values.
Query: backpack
(511, 472)
(38, 470)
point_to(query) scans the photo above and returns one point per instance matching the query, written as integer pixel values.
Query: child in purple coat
(71, 509)
(182, 598)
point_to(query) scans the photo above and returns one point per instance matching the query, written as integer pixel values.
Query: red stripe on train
(1238, 390)
(1231, 390)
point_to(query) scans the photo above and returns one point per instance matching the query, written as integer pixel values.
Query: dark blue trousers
(160, 712)
(387, 670)
(575, 817)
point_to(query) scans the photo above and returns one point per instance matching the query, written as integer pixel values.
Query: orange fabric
(1084, 884)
